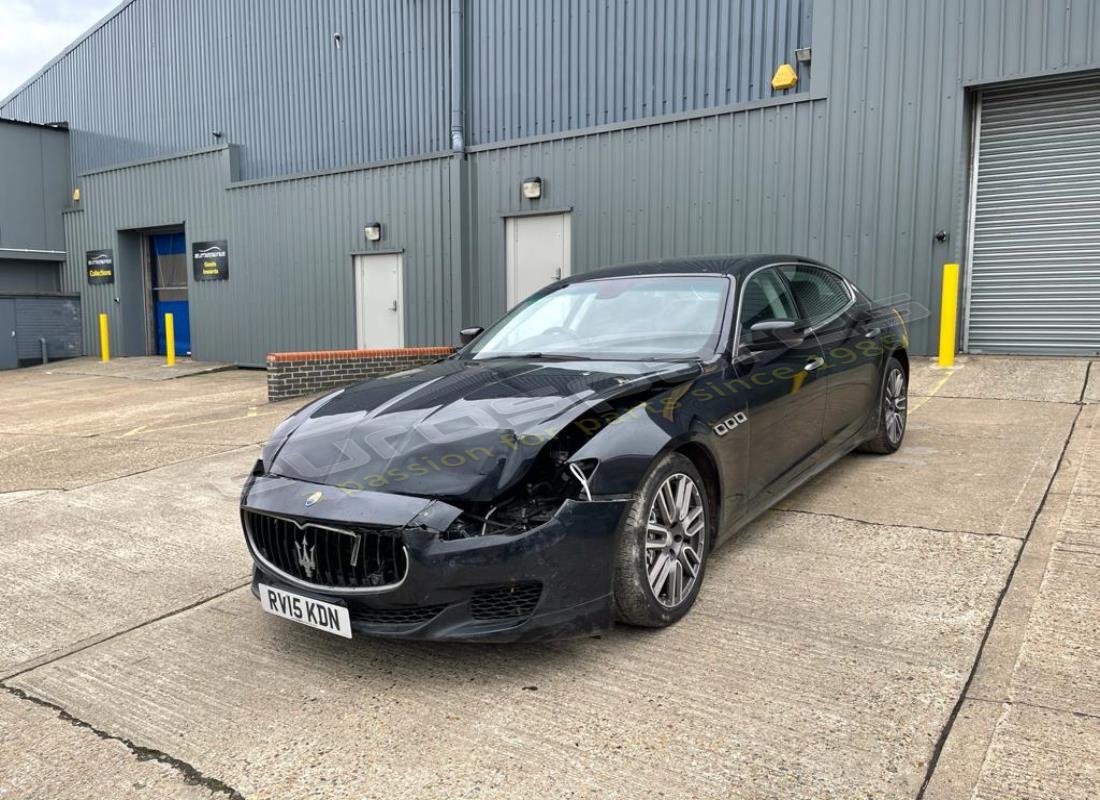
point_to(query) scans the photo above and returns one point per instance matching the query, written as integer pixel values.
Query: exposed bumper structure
(551, 581)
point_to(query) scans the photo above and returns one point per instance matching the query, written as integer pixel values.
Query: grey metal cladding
(290, 245)
(896, 124)
(55, 319)
(747, 181)
(34, 186)
(25, 276)
(162, 76)
(860, 171)
(544, 66)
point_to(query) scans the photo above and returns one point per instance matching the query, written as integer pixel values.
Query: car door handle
(814, 363)
(394, 306)
(872, 333)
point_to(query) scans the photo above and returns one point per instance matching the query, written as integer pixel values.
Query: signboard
(101, 266)
(210, 260)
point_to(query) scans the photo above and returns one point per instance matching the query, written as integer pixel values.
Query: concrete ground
(143, 368)
(924, 625)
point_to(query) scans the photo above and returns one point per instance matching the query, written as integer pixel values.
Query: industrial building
(37, 320)
(288, 176)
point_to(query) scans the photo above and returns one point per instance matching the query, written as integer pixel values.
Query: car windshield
(630, 318)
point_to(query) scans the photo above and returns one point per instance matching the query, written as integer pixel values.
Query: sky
(34, 31)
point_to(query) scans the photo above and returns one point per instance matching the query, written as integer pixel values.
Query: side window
(820, 293)
(766, 298)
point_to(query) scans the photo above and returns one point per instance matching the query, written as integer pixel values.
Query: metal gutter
(458, 116)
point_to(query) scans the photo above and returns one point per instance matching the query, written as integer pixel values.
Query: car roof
(735, 265)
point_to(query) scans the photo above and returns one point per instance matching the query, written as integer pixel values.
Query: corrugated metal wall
(862, 178)
(860, 171)
(290, 242)
(162, 75)
(744, 182)
(898, 133)
(34, 186)
(544, 66)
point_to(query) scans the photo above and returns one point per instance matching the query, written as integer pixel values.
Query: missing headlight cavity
(551, 481)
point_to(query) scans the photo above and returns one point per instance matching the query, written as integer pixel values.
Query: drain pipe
(458, 36)
(45, 356)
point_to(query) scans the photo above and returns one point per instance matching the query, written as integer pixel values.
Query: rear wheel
(663, 550)
(893, 411)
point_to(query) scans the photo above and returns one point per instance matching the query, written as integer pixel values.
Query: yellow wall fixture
(949, 310)
(104, 344)
(169, 340)
(785, 77)
(76, 195)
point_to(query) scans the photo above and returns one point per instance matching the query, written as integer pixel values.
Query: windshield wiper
(535, 357)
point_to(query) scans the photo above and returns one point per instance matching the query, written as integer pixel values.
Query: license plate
(314, 613)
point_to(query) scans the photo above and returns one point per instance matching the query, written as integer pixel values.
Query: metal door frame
(971, 219)
(151, 290)
(511, 226)
(355, 262)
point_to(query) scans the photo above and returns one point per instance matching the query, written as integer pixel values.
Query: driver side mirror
(775, 334)
(467, 335)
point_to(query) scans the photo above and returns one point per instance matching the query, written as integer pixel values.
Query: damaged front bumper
(551, 581)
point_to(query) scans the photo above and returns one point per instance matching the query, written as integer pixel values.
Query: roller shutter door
(1035, 262)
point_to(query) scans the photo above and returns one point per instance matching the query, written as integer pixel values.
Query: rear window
(820, 293)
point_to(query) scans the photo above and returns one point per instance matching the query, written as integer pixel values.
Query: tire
(893, 411)
(637, 602)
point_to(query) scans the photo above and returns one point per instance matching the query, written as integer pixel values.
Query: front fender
(626, 446)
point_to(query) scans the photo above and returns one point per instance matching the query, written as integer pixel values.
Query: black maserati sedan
(574, 464)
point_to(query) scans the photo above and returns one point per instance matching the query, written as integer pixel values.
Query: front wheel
(662, 554)
(893, 411)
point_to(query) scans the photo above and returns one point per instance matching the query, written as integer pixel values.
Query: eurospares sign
(101, 266)
(210, 260)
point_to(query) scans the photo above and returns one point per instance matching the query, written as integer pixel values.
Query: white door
(379, 305)
(538, 253)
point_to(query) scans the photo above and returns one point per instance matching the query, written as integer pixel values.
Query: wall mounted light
(373, 231)
(216, 134)
(531, 188)
(804, 55)
(785, 78)
(76, 195)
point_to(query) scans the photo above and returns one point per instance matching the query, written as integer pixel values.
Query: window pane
(635, 317)
(766, 298)
(820, 293)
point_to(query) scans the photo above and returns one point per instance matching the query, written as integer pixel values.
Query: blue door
(168, 261)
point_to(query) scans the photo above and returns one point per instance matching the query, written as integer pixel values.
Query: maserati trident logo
(314, 499)
(307, 556)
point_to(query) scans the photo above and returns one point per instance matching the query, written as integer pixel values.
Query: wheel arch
(705, 462)
(902, 355)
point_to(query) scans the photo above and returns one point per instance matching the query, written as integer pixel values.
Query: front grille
(350, 558)
(413, 615)
(506, 602)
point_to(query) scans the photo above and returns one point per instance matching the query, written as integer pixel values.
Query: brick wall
(295, 374)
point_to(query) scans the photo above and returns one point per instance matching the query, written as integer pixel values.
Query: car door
(851, 350)
(785, 387)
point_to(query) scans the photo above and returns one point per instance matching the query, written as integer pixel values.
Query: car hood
(459, 428)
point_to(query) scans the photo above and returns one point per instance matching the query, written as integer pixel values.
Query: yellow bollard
(949, 309)
(104, 344)
(170, 340)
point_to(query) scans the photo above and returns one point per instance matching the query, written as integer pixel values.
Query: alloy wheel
(895, 405)
(675, 538)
